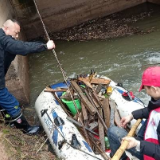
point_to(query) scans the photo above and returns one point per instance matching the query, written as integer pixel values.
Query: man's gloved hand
(50, 45)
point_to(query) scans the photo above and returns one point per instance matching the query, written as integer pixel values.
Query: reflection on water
(122, 59)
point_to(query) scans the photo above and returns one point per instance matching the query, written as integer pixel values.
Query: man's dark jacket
(9, 48)
(148, 148)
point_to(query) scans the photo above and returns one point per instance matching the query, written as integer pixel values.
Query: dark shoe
(21, 123)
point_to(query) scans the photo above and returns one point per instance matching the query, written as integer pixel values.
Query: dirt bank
(14, 145)
(104, 28)
(4, 155)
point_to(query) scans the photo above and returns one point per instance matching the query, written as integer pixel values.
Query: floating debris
(103, 28)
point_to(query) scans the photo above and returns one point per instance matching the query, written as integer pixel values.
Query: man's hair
(15, 21)
(9, 22)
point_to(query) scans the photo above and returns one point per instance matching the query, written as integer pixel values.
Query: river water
(121, 59)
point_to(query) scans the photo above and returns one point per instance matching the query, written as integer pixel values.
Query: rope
(47, 35)
(64, 77)
(53, 51)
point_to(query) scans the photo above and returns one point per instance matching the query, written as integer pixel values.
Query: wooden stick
(62, 105)
(94, 95)
(85, 81)
(124, 145)
(84, 130)
(100, 81)
(106, 110)
(101, 131)
(93, 80)
(47, 89)
(84, 112)
(42, 145)
(99, 116)
(84, 100)
(98, 88)
(103, 154)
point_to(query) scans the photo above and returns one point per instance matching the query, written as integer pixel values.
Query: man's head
(151, 81)
(11, 28)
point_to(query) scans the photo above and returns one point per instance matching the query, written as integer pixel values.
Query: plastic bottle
(107, 145)
(109, 90)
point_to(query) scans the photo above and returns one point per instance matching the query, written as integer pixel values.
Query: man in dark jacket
(147, 143)
(9, 48)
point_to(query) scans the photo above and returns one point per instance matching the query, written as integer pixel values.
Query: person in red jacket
(147, 143)
(10, 46)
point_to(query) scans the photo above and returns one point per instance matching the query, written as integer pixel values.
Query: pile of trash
(87, 105)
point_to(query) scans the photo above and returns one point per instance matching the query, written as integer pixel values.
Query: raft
(64, 136)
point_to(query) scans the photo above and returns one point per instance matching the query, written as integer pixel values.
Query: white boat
(62, 133)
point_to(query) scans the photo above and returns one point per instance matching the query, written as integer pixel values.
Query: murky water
(121, 59)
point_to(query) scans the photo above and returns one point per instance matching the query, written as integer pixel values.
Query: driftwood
(62, 105)
(91, 118)
(100, 81)
(98, 88)
(101, 131)
(95, 96)
(106, 109)
(69, 95)
(47, 89)
(99, 116)
(93, 80)
(124, 144)
(85, 81)
(91, 99)
(84, 112)
(84, 100)
(103, 154)
(84, 130)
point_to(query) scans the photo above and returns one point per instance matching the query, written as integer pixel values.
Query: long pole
(124, 145)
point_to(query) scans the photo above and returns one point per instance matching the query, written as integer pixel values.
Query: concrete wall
(5, 11)
(17, 76)
(61, 14)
